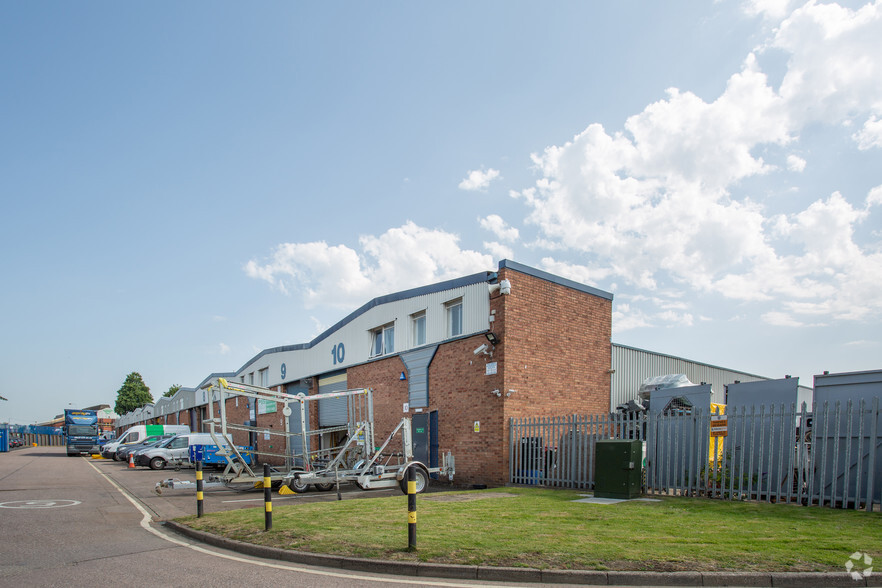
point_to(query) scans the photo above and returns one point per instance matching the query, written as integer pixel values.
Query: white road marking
(39, 504)
(147, 519)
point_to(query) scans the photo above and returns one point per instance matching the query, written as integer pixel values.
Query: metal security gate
(828, 456)
(559, 451)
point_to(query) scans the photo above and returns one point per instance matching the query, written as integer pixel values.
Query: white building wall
(355, 336)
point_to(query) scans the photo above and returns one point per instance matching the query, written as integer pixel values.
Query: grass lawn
(546, 529)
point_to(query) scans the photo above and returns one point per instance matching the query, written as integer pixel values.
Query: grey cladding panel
(333, 412)
(417, 364)
(763, 393)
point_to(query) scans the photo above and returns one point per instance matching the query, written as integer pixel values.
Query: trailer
(326, 456)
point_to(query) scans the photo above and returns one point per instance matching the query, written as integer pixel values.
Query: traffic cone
(131, 460)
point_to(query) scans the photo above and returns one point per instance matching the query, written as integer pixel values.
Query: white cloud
(834, 70)
(870, 135)
(498, 250)
(626, 319)
(654, 204)
(223, 349)
(780, 319)
(769, 9)
(499, 227)
(578, 273)
(478, 179)
(875, 196)
(401, 258)
(795, 163)
(318, 326)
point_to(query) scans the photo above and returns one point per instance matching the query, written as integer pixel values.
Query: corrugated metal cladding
(350, 344)
(417, 364)
(333, 412)
(632, 366)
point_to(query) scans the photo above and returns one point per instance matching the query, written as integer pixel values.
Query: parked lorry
(81, 432)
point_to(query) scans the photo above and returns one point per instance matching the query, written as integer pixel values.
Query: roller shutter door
(332, 411)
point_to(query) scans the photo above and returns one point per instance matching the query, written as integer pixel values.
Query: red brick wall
(554, 353)
(460, 391)
(555, 348)
(237, 415)
(276, 444)
(389, 392)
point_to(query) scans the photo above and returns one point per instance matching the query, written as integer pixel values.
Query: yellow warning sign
(719, 426)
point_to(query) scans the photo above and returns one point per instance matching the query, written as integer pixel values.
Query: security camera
(482, 348)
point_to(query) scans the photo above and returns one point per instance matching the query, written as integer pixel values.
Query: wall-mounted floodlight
(494, 340)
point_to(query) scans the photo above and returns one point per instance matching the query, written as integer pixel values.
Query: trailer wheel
(324, 487)
(298, 487)
(157, 463)
(421, 477)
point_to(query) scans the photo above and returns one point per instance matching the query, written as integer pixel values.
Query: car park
(139, 433)
(174, 451)
(123, 451)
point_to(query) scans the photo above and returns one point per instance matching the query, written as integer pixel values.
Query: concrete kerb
(509, 574)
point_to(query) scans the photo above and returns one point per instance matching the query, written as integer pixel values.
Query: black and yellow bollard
(199, 496)
(267, 498)
(411, 509)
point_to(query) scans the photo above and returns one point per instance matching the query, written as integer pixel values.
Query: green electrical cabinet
(618, 468)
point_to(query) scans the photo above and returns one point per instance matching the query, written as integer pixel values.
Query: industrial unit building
(461, 357)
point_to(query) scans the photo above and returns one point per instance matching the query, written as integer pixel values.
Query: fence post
(871, 466)
(267, 498)
(199, 496)
(411, 510)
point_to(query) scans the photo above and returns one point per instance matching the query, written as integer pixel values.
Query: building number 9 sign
(338, 353)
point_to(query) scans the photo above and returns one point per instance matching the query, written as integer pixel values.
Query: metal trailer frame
(357, 460)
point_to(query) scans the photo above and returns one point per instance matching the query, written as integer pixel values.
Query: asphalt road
(68, 521)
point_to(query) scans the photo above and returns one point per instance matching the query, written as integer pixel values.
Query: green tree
(133, 394)
(171, 390)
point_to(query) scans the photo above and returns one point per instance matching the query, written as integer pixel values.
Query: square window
(383, 340)
(419, 328)
(454, 318)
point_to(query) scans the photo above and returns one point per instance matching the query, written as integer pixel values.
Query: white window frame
(263, 378)
(453, 309)
(383, 340)
(418, 320)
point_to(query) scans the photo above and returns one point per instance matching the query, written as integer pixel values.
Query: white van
(138, 433)
(175, 451)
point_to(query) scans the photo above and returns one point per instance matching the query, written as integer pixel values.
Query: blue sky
(185, 185)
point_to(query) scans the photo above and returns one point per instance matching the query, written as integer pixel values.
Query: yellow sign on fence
(719, 426)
